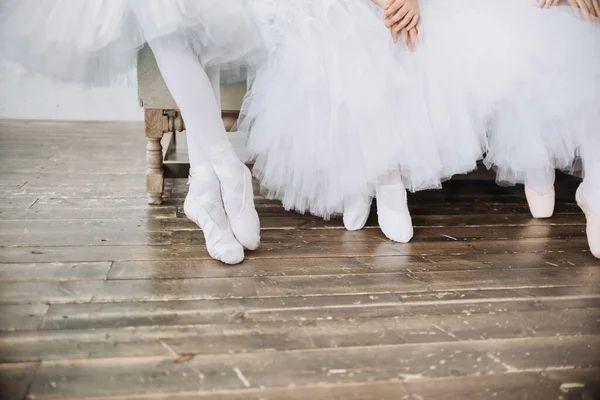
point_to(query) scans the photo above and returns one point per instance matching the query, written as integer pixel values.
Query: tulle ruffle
(530, 75)
(339, 106)
(544, 110)
(332, 111)
(95, 41)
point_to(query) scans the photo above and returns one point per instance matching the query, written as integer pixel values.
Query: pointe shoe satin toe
(356, 212)
(238, 195)
(204, 206)
(593, 223)
(541, 205)
(394, 217)
(239, 204)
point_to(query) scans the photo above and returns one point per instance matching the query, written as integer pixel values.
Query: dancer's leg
(193, 93)
(208, 142)
(588, 194)
(356, 211)
(539, 190)
(392, 208)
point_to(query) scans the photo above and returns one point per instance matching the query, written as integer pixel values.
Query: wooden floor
(102, 296)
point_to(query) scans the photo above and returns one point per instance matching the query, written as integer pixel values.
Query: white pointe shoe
(356, 211)
(541, 205)
(238, 195)
(394, 216)
(204, 206)
(593, 223)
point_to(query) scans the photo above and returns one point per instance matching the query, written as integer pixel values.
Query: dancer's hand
(586, 8)
(402, 14)
(410, 35)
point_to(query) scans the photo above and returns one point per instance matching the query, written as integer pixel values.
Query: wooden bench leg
(155, 179)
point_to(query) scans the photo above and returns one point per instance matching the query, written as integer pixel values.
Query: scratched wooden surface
(102, 296)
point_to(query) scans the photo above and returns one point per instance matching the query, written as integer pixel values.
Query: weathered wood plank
(574, 245)
(17, 203)
(85, 238)
(65, 204)
(290, 220)
(68, 379)
(54, 271)
(198, 252)
(246, 337)
(37, 213)
(511, 260)
(540, 385)
(341, 307)
(186, 269)
(100, 253)
(15, 380)
(22, 317)
(288, 286)
(217, 288)
(567, 384)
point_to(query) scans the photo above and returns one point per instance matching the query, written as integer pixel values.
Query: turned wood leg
(155, 179)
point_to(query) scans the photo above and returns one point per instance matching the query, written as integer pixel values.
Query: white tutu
(335, 109)
(94, 41)
(531, 75)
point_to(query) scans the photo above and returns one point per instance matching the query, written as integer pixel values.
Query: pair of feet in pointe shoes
(221, 201)
(541, 205)
(392, 210)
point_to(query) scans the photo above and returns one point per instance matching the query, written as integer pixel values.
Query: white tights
(214, 166)
(194, 93)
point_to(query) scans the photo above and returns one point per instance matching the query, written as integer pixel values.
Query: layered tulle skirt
(95, 41)
(339, 105)
(543, 109)
(531, 75)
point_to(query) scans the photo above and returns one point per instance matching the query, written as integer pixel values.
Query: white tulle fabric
(339, 106)
(95, 41)
(531, 75)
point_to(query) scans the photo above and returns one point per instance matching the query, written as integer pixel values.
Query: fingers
(407, 21)
(397, 30)
(585, 11)
(393, 8)
(404, 34)
(596, 5)
(394, 19)
(410, 36)
(593, 7)
(575, 7)
(414, 22)
(589, 10)
(403, 18)
(395, 35)
(413, 33)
